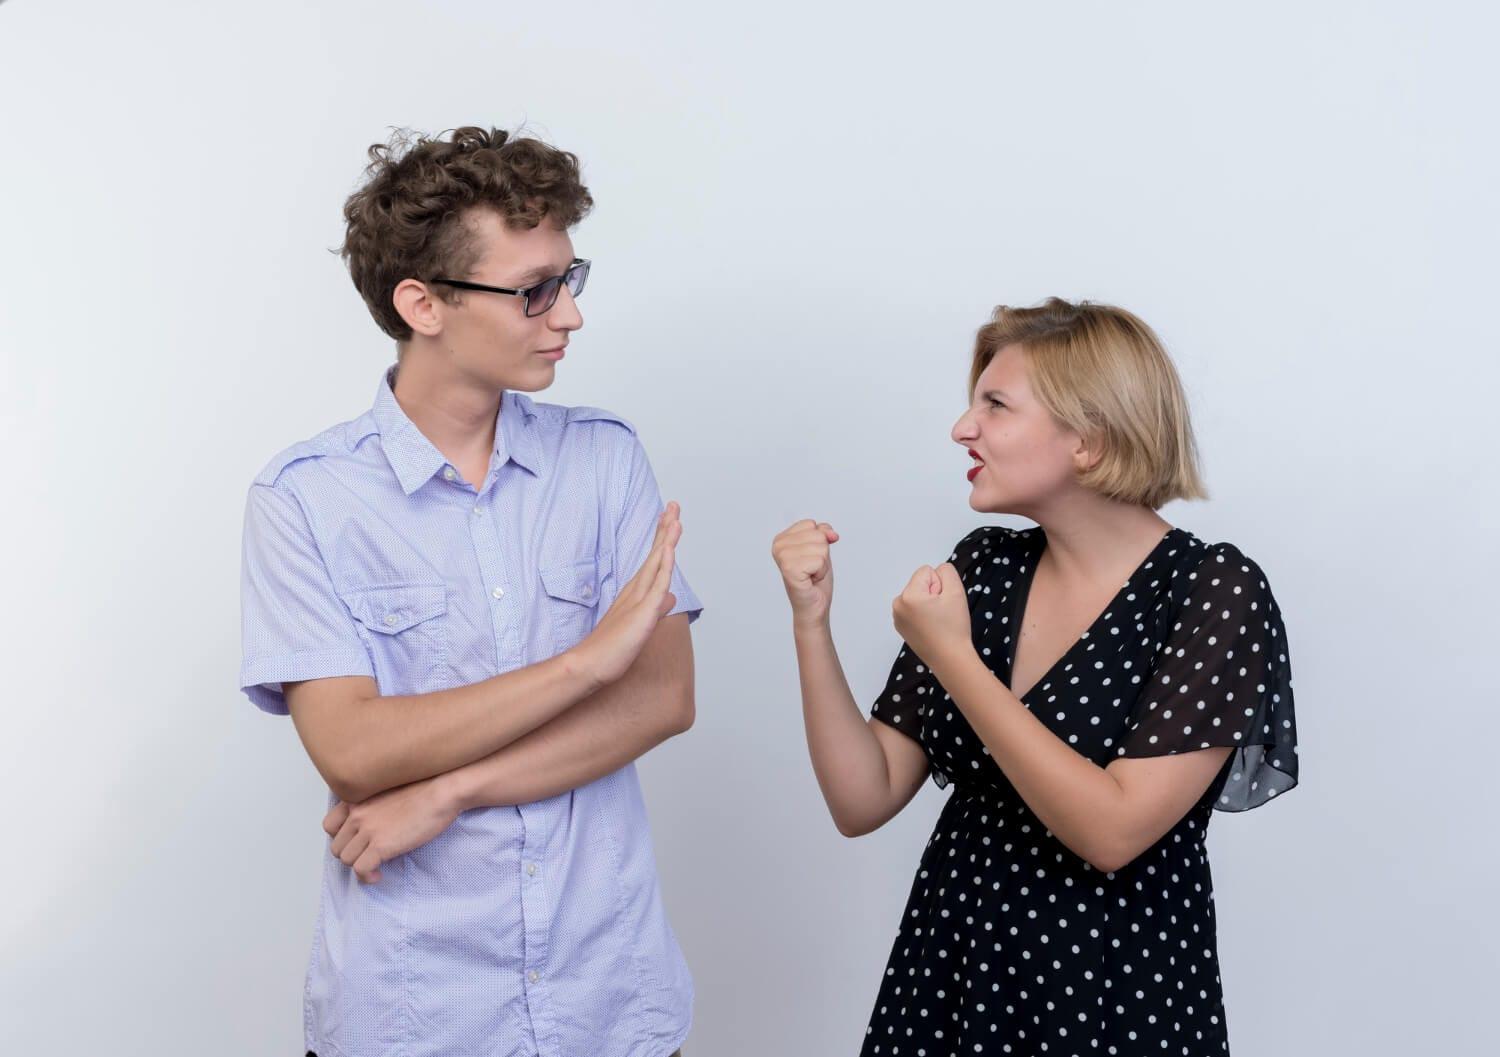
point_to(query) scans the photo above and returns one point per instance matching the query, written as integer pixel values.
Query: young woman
(1092, 688)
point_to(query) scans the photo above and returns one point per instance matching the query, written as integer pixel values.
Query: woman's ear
(1087, 453)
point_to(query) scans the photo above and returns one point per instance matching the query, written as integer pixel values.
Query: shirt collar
(414, 458)
(516, 433)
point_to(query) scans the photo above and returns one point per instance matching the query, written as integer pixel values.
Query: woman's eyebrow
(1000, 393)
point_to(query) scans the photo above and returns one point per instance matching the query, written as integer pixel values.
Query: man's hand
(373, 832)
(612, 647)
(932, 615)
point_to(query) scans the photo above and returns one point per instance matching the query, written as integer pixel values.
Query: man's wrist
(455, 789)
(578, 669)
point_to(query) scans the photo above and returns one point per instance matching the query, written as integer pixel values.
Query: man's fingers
(633, 587)
(367, 865)
(667, 516)
(661, 530)
(658, 564)
(354, 849)
(347, 832)
(663, 578)
(335, 818)
(642, 582)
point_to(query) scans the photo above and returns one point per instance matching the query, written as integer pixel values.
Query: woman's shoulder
(1217, 569)
(992, 546)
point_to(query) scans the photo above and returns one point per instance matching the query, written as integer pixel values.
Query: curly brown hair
(406, 220)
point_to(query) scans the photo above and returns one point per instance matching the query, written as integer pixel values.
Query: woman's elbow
(1112, 857)
(856, 825)
(851, 829)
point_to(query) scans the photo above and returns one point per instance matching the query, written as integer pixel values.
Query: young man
(468, 603)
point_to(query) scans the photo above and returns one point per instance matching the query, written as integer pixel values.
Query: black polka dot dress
(1012, 944)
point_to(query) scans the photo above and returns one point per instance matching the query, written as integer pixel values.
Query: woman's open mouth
(978, 464)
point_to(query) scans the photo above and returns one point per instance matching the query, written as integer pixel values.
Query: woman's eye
(995, 403)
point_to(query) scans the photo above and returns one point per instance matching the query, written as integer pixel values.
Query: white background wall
(804, 211)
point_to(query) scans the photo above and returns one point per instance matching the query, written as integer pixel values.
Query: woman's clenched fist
(802, 554)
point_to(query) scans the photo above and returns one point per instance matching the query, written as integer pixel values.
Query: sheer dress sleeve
(1223, 678)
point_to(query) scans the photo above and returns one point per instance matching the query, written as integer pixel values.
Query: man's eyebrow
(537, 274)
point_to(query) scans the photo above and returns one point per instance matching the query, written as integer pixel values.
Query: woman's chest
(1086, 698)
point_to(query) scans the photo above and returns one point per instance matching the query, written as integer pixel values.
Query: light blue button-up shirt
(528, 930)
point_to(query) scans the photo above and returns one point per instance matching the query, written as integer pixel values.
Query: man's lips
(553, 354)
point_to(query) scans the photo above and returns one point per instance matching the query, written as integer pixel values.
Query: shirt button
(498, 592)
(531, 869)
(448, 474)
(478, 510)
(532, 976)
(587, 591)
(390, 618)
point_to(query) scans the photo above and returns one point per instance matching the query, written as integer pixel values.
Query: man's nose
(564, 314)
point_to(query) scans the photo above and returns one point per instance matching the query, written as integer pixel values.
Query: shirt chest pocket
(570, 594)
(405, 629)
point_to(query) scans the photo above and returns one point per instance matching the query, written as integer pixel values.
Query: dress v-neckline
(1023, 596)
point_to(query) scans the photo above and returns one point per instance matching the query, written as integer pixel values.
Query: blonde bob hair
(1103, 373)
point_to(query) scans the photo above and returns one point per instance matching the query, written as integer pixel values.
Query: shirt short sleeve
(636, 529)
(910, 689)
(293, 625)
(1223, 679)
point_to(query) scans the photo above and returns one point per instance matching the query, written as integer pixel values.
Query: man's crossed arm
(597, 736)
(404, 767)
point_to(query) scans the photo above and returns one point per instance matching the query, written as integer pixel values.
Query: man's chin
(539, 379)
(534, 379)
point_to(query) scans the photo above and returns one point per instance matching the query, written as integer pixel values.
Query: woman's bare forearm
(854, 770)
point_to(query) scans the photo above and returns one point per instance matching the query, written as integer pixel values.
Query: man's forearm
(602, 733)
(364, 743)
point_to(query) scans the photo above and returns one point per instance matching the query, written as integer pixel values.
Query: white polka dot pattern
(1011, 943)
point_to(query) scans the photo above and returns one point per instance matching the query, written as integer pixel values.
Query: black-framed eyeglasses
(539, 297)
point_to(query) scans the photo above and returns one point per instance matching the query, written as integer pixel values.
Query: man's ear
(418, 307)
